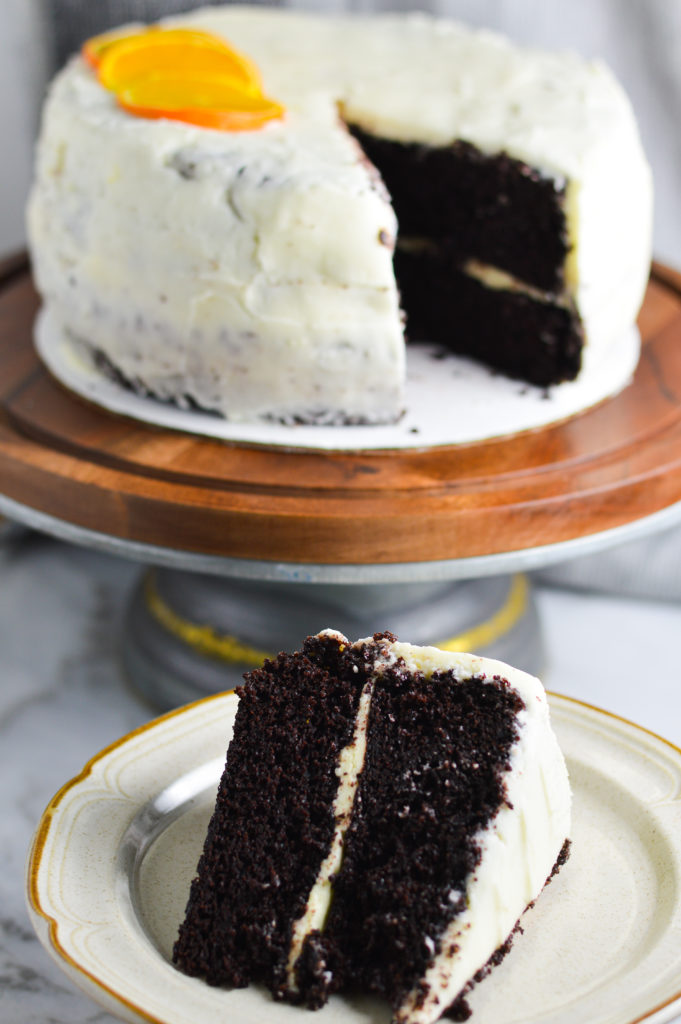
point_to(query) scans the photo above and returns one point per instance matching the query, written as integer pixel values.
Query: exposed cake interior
(386, 815)
(481, 256)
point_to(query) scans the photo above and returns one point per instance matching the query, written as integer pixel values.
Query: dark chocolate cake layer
(437, 752)
(257, 868)
(491, 208)
(526, 338)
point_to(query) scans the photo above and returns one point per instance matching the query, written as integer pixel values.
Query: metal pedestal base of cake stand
(196, 622)
(188, 635)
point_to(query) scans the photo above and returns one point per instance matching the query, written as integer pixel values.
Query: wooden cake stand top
(602, 469)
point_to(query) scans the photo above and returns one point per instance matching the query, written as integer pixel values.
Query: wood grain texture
(612, 464)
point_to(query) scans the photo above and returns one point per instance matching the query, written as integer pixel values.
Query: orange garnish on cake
(177, 52)
(182, 75)
(210, 102)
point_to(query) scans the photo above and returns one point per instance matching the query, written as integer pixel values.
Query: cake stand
(249, 548)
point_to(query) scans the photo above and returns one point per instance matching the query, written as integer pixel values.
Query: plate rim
(114, 1000)
(39, 841)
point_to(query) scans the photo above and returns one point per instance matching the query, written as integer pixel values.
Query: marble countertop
(63, 697)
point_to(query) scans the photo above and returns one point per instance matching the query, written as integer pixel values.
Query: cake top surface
(407, 77)
(387, 650)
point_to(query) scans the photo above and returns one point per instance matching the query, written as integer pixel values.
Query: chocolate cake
(492, 199)
(385, 816)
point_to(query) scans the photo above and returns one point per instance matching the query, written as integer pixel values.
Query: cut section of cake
(481, 256)
(386, 815)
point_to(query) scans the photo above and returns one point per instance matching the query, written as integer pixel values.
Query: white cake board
(450, 399)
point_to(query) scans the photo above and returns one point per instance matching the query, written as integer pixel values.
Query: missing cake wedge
(386, 815)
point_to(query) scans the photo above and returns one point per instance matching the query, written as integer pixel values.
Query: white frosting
(253, 270)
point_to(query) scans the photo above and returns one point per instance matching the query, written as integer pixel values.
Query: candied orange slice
(177, 52)
(206, 101)
(182, 75)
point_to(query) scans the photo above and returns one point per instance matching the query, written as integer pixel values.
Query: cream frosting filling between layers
(350, 764)
(519, 846)
(500, 280)
(488, 275)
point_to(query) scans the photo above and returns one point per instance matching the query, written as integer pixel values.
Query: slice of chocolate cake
(386, 814)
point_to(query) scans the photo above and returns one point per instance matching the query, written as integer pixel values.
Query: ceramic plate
(450, 400)
(109, 873)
